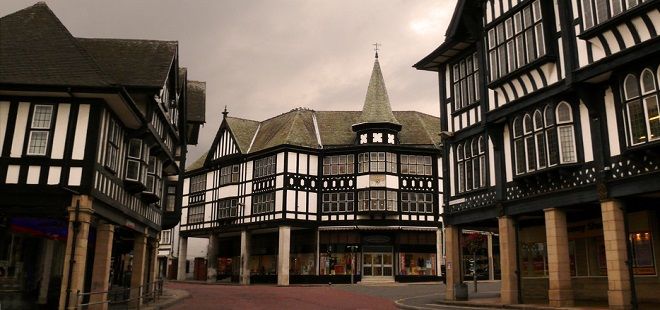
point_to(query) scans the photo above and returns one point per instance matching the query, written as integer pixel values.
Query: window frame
(471, 161)
(112, 143)
(389, 162)
(377, 200)
(461, 78)
(341, 164)
(332, 202)
(406, 202)
(265, 166)
(230, 174)
(37, 129)
(642, 97)
(263, 203)
(196, 217)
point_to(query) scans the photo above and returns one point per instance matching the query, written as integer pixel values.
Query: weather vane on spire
(376, 45)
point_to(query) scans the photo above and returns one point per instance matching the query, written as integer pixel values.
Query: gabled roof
(463, 30)
(199, 163)
(144, 63)
(36, 49)
(377, 108)
(196, 110)
(243, 131)
(295, 128)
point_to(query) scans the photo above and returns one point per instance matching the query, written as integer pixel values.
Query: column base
(449, 294)
(560, 298)
(619, 299)
(509, 297)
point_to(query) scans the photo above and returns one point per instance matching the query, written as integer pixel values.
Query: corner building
(315, 196)
(553, 128)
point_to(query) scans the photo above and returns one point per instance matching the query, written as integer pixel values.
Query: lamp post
(353, 249)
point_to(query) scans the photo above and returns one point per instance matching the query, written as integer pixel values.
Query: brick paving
(272, 297)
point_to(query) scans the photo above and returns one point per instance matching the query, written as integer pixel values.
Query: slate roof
(199, 163)
(133, 62)
(36, 49)
(377, 108)
(196, 102)
(243, 130)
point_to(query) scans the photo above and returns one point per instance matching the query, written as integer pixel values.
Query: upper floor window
(196, 214)
(466, 81)
(112, 145)
(377, 162)
(641, 107)
(263, 203)
(416, 164)
(417, 202)
(595, 12)
(544, 139)
(154, 172)
(198, 183)
(171, 198)
(339, 164)
(42, 116)
(516, 41)
(471, 164)
(136, 166)
(264, 166)
(227, 208)
(229, 174)
(166, 236)
(377, 200)
(338, 202)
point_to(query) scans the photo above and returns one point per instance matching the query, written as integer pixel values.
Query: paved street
(205, 296)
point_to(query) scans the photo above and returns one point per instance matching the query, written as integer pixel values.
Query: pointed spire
(377, 107)
(224, 113)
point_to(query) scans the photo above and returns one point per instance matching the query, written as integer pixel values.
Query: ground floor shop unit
(603, 252)
(327, 254)
(71, 257)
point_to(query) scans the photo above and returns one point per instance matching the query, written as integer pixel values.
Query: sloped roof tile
(196, 111)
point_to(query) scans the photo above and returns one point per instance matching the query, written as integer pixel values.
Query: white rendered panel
(186, 186)
(507, 154)
(248, 206)
(450, 120)
(228, 191)
(248, 188)
(491, 161)
(209, 180)
(249, 169)
(12, 174)
(654, 16)
(302, 202)
(451, 171)
(456, 124)
(61, 124)
(33, 174)
(290, 200)
(473, 117)
(81, 132)
(582, 49)
(278, 200)
(612, 126)
(302, 163)
(562, 64)
(447, 85)
(312, 203)
(280, 162)
(4, 119)
(528, 83)
(597, 50)
(509, 92)
(19, 130)
(550, 72)
(464, 120)
(626, 35)
(611, 42)
(75, 176)
(491, 99)
(54, 174)
(392, 181)
(279, 181)
(362, 181)
(586, 133)
(292, 160)
(537, 78)
(313, 165)
(574, 3)
(642, 31)
(555, 8)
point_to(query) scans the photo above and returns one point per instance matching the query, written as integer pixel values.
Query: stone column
(619, 291)
(453, 260)
(75, 257)
(318, 253)
(155, 270)
(508, 261)
(183, 256)
(245, 258)
(212, 259)
(491, 265)
(438, 251)
(47, 265)
(139, 266)
(101, 271)
(283, 255)
(560, 293)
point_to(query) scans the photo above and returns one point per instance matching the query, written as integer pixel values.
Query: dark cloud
(262, 58)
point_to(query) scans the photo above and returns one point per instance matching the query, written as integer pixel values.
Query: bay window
(377, 162)
(377, 200)
(136, 165)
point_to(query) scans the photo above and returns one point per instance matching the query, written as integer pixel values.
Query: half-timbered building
(92, 136)
(552, 125)
(318, 196)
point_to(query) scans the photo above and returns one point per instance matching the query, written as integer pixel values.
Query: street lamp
(353, 248)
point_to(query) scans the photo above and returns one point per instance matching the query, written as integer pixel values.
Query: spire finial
(376, 45)
(224, 113)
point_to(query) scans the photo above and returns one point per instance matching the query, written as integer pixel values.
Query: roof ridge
(243, 119)
(129, 40)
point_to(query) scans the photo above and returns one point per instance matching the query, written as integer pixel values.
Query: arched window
(546, 138)
(641, 107)
(471, 164)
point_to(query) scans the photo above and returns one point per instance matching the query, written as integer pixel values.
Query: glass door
(377, 264)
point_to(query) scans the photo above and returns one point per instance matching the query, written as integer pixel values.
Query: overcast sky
(262, 58)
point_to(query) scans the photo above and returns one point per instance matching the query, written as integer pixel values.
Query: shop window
(229, 174)
(641, 107)
(417, 264)
(338, 202)
(265, 166)
(40, 129)
(338, 164)
(642, 253)
(377, 162)
(544, 139)
(263, 203)
(416, 165)
(337, 259)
